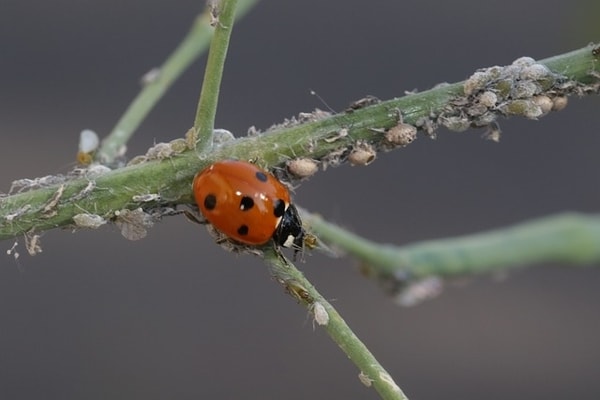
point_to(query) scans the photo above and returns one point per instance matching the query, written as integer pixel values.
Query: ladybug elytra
(247, 204)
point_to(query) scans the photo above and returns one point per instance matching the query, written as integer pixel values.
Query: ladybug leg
(193, 217)
(169, 212)
(280, 254)
(222, 240)
(295, 256)
(298, 246)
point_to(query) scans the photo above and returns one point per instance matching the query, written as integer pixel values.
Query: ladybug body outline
(247, 204)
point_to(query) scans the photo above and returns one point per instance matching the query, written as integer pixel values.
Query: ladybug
(248, 204)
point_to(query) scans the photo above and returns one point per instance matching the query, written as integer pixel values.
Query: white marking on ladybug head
(289, 241)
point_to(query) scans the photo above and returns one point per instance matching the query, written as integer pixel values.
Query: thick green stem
(325, 139)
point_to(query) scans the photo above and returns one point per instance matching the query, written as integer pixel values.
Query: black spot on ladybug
(246, 203)
(279, 209)
(210, 202)
(261, 176)
(243, 230)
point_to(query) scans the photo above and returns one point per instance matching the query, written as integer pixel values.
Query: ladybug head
(289, 232)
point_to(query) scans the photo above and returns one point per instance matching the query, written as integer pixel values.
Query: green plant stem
(204, 123)
(193, 45)
(301, 289)
(569, 238)
(171, 178)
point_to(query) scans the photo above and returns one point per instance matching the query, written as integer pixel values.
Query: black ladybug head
(289, 232)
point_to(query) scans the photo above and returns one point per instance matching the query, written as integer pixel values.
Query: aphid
(88, 144)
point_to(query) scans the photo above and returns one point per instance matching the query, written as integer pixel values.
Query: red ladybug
(247, 204)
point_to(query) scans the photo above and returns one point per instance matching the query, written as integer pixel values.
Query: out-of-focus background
(173, 316)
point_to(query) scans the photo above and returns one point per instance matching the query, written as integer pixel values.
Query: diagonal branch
(325, 315)
(163, 177)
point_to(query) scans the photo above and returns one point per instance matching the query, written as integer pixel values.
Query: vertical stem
(224, 15)
(193, 45)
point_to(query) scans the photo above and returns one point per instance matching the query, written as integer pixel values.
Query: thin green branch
(204, 123)
(193, 45)
(567, 238)
(325, 315)
(329, 140)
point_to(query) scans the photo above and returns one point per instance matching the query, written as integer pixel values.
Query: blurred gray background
(173, 316)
